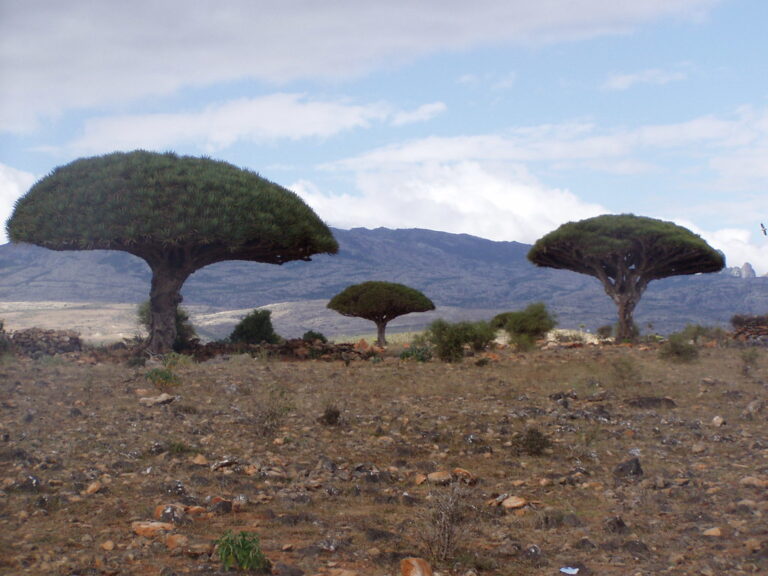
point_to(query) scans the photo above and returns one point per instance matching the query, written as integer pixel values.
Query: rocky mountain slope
(459, 272)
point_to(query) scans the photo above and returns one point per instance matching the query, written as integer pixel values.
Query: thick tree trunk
(164, 298)
(380, 328)
(626, 304)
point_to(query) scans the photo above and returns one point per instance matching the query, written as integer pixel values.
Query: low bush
(312, 336)
(679, 348)
(449, 339)
(534, 321)
(243, 551)
(255, 328)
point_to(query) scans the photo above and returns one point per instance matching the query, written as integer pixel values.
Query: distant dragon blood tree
(379, 302)
(178, 213)
(625, 252)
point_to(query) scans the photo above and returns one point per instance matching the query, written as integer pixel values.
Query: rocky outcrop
(37, 342)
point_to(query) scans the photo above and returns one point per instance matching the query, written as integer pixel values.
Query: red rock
(174, 541)
(441, 477)
(151, 529)
(415, 567)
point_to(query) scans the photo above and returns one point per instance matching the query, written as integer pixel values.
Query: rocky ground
(598, 460)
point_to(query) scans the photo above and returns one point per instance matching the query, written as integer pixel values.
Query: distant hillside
(455, 270)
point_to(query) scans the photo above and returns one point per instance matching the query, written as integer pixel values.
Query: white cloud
(738, 244)
(277, 116)
(13, 184)
(98, 53)
(421, 114)
(653, 76)
(499, 203)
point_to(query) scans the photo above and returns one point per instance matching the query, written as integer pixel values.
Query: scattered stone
(176, 541)
(281, 569)
(615, 525)
(151, 529)
(160, 400)
(108, 545)
(698, 448)
(200, 460)
(93, 488)
(514, 502)
(441, 478)
(652, 402)
(629, 469)
(753, 409)
(415, 567)
(718, 421)
(754, 482)
(715, 532)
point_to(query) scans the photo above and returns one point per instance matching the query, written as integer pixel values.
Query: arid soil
(654, 467)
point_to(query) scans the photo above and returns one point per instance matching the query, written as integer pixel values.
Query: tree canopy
(379, 302)
(625, 252)
(178, 213)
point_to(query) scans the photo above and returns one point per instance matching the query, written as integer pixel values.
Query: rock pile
(35, 342)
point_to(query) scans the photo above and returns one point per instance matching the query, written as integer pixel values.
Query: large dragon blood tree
(625, 252)
(178, 213)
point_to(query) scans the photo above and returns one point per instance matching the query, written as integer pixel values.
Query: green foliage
(749, 358)
(449, 339)
(312, 336)
(379, 302)
(605, 332)
(243, 551)
(127, 200)
(534, 321)
(625, 252)
(697, 333)
(418, 352)
(679, 348)
(186, 336)
(255, 328)
(5, 340)
(650, 247)
(163, 378)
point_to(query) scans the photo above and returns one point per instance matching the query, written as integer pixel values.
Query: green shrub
(698, 333)
(5, 341)
(605, 332)
(312, 336)
(185, 331)
(449, 339)
(255, 328)
(418, 352)
(163, 378)
(243, 551)
(534, 321)
(679, 348)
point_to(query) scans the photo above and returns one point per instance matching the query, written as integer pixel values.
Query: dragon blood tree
(625, 252)
(178, 213)
(379, 302)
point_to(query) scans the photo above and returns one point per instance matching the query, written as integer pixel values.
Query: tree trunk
(164, 298)
(380, 328)
(626, 304)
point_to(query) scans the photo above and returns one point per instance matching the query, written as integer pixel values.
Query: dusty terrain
(254, 444)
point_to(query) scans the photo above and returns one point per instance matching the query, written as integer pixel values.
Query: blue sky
(498, 118)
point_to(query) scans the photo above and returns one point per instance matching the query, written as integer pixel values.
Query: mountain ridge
(456, 271)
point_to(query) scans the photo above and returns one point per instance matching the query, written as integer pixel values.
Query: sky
(498, 118)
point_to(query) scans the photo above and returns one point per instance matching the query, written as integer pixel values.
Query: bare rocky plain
(590, 460)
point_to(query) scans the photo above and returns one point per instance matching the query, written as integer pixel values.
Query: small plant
(243, 551)
(441, 522)
(534, 442)
(418, 352)
(163, 378)
(449, 339)
(605, 332)
(311, 336)
(678, 348)
(272, 410)
(625, 371)
(749, 359)
(331, 416)
(255, 328)
(5, 340)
